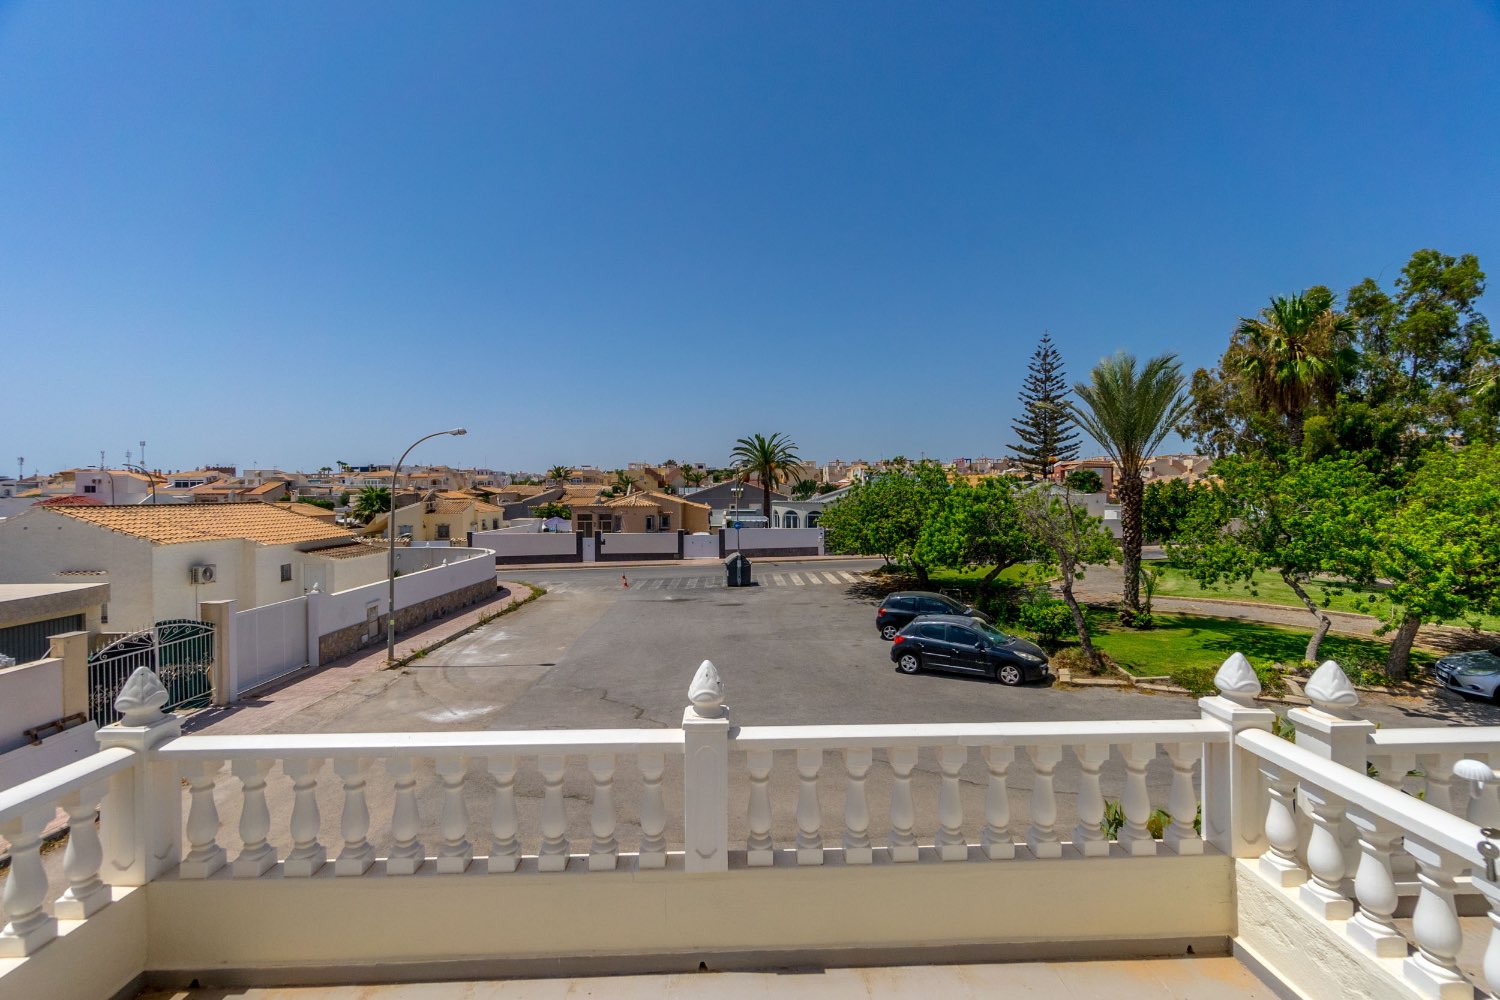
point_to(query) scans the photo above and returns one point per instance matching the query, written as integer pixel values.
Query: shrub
(1366, 672)
(1049, 620)
(1200, 680)
(1084, 481)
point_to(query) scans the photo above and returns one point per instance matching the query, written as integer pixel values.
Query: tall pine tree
(1047, 433)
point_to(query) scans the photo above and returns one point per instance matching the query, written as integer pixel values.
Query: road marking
(795, 579)
(848, 577)
(831, 578)
(656, 584)
(778, 579)
(692, 582)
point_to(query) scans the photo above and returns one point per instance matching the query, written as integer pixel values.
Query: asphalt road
(800, 648)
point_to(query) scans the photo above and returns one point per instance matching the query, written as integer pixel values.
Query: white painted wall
(270, 641)
(506, 544)
(749, 539)
(31, 695)
(37, 545)
(347, 607)
(700, 546)
(653, 543)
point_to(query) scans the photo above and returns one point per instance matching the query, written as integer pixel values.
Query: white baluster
(1484, 800)
(553, 856)
(1372, 926)
(1135, 835)
(30, 925)
(857, 850)
(1182, 801)
(903, 813)
(1391, 770)
(307, 855)
(996, 839)
(86, 893)
(205, 856)
(257, 857)
(358, 854)
(604, 851)
(1088, 835)
(455, 851)
(407, 852)
(653, 813)
(1433, 970)
(759, 851)
(1280, 863)
(950, 842)
(1438, 771)
(809, 815)
(1323, 894)
(1042, 837)
(505, 849)
(1491, 963)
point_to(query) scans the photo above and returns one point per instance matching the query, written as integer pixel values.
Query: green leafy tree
(552, 509)
(694, 476)
(1164, 506)
(804, 489)
(1440, 547)
(1070, 540)
(1294, 354)
(370, 502)
(885, 515)
(976, 525)
(1129, 412)
(1306, 522)
(1045, 429)
(771, 460)
(1084, 481)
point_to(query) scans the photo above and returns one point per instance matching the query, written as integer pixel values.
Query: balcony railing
(1065, 817)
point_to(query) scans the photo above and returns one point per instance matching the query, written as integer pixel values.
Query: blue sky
(294, 233)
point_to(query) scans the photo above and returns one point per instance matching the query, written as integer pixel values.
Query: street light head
(458, 431)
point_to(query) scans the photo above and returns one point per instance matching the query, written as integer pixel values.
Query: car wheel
(1008, 674)
(909, 663)
(888, 632)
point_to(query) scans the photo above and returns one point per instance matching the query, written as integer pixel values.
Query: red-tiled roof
(70, 500)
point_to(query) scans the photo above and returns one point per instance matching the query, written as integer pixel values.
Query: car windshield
(991, 633)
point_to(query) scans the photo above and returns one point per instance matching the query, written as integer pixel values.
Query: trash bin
(737, 571)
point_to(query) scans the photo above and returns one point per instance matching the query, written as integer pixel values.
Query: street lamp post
(390, 524)
(150, 479)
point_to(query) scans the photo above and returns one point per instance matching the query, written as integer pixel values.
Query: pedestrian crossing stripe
(799, 579)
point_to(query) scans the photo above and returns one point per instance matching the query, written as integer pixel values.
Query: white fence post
(1234, 809)
(142, 819)
(705, 774)
(314, 626)
(226, 673)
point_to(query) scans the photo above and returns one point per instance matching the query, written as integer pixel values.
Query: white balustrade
(454, 850)
(903, 840)
(951, 845)
(1373, 926)
(30, 926)
(1435, 925)
(1088, 835)
(759, 850)
(653, 813)
(307, 855)
(407, 853)
(86, 893)
(257, 856)
(1182, 802)
(553, 856)
(357, 854)
(809, 815)
(995, 840)
(505, 848)
(1280, 863)
(1437, 776)
(604, 850)
(204, 856)
(857, 851)
(1135, 835)
(1042, 836)
(1323, 894)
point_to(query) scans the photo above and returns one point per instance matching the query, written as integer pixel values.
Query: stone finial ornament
(141, 698)
(1329, 689)
(1476, 771)
(1236, 679)
(707, 690)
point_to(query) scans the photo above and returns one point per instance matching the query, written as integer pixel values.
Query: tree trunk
(1079, 624)
(1324, 623)
(990, 576)
(1398, 663)
(1130, 491)
(765, 496)
(1295, 422)
(921, 572)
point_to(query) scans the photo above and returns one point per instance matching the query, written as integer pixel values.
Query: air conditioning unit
(201, 574)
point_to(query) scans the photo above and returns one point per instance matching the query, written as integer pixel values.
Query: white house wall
(38, 545)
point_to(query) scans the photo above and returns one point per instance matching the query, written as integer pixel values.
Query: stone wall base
(356, 637)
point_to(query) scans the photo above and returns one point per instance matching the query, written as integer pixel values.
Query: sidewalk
(262, 712)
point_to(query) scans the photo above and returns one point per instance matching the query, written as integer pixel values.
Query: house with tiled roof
(436, 517)
(162, 560)
(642, 512)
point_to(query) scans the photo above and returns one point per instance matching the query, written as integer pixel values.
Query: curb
(533, 593)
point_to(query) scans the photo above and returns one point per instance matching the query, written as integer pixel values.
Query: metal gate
(179, 651)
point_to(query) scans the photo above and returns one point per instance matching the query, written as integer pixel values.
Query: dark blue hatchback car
(967, 645)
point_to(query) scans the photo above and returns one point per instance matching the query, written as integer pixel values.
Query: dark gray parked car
(966, 645)
(900, 608)
(1475, 673)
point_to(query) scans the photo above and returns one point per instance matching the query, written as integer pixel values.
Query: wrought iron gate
(179, 651)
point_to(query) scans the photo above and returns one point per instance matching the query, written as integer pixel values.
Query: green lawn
(1268, 588)
(1023, 573)
(1191, 641)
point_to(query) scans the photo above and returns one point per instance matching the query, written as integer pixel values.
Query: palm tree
(1129, 413)
(692, 475)
(1294, 353)
(371, 501)
(624, 482)
(560, 473)
(771, 460)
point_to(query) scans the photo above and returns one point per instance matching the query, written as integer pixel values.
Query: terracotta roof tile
(172, 524)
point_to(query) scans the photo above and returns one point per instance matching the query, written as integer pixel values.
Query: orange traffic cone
(624, 582)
